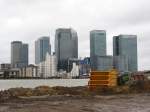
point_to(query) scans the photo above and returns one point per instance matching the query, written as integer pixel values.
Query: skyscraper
(25, 54)
(97, 44)
(66, 46)
(126, 45)
(19, 54)
(42, 46)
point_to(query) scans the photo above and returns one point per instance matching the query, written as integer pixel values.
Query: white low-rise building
(30, 71)
(48, 68)
(74, 72)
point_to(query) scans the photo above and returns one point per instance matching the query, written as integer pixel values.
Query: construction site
(106, 91)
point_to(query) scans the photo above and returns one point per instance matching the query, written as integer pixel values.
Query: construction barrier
(102, 79)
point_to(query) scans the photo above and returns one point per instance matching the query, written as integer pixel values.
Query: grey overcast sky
(27, 20)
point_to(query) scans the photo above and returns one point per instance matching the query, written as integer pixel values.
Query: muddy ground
(68, 103)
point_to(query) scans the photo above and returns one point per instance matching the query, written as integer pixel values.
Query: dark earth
(68, 103)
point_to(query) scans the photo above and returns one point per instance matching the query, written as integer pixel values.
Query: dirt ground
(109, 103)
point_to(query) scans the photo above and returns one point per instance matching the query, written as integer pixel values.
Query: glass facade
(103, 63)
(126, 45)
(19, 54)
(25, 54)
(42, 46)
(121, 63)
(66, 47)
(97, 44)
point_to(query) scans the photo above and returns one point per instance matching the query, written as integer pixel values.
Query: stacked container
(103, 79)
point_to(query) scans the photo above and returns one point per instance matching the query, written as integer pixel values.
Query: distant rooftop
(16, 42)
(44, 37)
(64, 29)
(98, 31)
(127, 36)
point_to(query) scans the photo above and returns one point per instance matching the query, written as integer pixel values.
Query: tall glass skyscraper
(25, 54)
(66, 46)
(19, 54)
(42, 46)
(126, 45)
(97, 44)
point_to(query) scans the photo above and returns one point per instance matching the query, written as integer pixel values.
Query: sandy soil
(111, 103)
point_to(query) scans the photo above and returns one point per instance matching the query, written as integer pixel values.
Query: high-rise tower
(97, 44)
(19, 54)
(42, 47)
(66, 46)
(126, 45)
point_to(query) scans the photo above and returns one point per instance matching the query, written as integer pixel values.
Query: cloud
(27, 20)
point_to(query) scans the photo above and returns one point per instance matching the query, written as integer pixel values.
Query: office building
(66, 46)
(126, 45)
(120, 63)
(97, 44)
(25, 54)
(102, 63)
(30, 71)
(48, 68)
(19, 54)
(10, 73)
(105, 63)
(84, 67)
(5, 66)
(42, 46)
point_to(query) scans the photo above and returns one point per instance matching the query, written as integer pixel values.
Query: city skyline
(92, 31)
(21, 22)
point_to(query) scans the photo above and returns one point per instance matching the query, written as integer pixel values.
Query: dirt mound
(136, 87)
